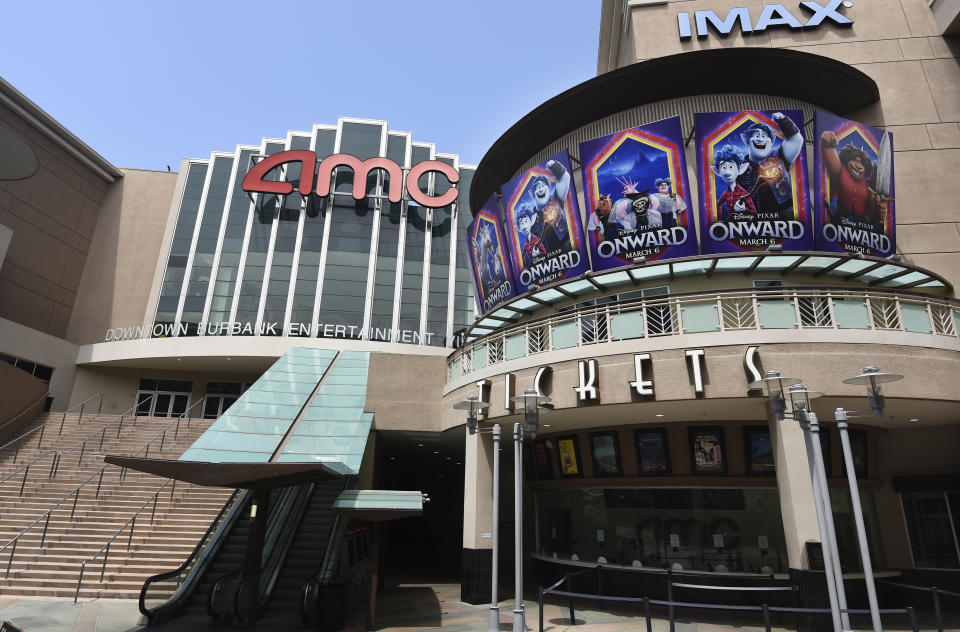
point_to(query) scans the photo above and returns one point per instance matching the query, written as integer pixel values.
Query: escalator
(209, 586)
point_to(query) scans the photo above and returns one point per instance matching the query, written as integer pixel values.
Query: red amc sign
(253, 182)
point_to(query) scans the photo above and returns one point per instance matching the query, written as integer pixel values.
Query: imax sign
(772, 15)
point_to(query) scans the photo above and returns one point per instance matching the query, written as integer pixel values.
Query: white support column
(797, 506)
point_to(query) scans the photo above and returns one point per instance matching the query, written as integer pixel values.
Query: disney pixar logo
(254, 181)
(771, 16)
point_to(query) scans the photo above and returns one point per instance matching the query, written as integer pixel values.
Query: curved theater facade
(738, 191)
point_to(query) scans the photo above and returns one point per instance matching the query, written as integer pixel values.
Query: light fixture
(473, 406)
(531, 401)
(776, 385)
(872, 378)
(639, 261)
(659, 415)
(775, 248)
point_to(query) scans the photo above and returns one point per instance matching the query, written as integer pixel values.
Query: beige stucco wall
(21, 398)
(405, 391)
(53, 215)
(117, 279)
(895, 42)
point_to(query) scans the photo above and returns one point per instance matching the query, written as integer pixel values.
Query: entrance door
(220, 396)
(163, 398)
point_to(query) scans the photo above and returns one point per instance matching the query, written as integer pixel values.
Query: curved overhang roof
(821, 81)
(871, 272)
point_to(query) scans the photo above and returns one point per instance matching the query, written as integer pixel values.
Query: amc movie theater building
(740, 189)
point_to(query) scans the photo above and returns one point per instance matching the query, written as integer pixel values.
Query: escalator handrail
(276, 555)
(235, 507)
(330, 558)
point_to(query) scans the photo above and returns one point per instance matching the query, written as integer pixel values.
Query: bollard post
(540, 601)
(936, 608)
(913, 619)
(573, 616)
(646, 613)
(670, 598)
(766, 617)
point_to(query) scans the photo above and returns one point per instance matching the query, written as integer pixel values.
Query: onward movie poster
(636, 194)
(488, 247)
(753, 191)
(543, 224)
(853, 187)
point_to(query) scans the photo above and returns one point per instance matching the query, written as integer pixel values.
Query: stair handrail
(220, 526)
(24, 411)
(82, 444)
(132, 523)
(310, 589)
(74, 492)
(42, 427)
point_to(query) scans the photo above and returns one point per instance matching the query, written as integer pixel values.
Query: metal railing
(42, 427)
(132, 523)
(54, 465)
(703, 312)
(934, 594)
(75, 492)
(187, 571)
(764, 609)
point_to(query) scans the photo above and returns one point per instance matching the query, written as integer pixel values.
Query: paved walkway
(402, 608)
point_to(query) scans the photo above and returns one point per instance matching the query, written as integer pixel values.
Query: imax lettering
(772, 15)
(254, 181)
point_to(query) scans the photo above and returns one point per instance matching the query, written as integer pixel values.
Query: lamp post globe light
(794, 402)
(532, 401)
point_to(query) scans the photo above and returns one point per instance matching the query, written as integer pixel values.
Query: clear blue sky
(148, 83)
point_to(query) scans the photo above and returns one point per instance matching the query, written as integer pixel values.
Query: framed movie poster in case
(569, 452)
(759, 450)
(605, 450)
(858, 445)
(707, 451)
(653, 451)
(542, 460)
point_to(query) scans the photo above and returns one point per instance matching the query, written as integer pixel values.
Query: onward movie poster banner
(753, 190)
(636, 190)
(488, 248)
(853, 187)
(543, 224)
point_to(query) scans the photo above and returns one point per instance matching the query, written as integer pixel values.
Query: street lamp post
(872, 378)
(531, 401)
(777, 387)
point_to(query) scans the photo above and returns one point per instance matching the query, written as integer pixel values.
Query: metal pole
(841, 416)
(519, 625)
(828, 517)
(494, 602)
(829, 569)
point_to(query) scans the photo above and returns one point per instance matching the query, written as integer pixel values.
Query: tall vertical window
(388, 241)
(439, 275)
(211, 217)
(285, 242)
(265, 214)
(311, 248)
(463, 288)
(180, 248)
(229, 262)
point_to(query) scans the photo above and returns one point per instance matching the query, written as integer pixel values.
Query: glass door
(163, 398)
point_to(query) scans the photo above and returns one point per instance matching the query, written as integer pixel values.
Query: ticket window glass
(163, 398)
(735, 530)
(220, 396)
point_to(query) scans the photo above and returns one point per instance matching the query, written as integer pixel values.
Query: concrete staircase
(183, 512)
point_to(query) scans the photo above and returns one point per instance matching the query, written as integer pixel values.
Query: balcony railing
(758, 309)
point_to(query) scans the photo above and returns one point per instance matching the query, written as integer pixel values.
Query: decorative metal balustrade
(745, 310)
